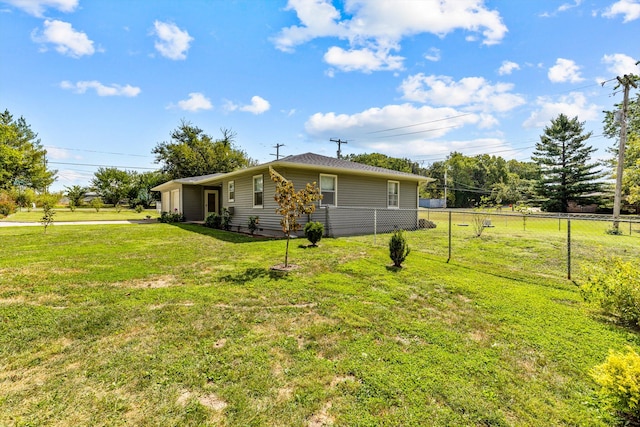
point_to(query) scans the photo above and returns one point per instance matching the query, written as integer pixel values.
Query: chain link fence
(554, 245)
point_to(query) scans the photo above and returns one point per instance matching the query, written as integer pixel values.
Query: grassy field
(164, 324)
(536, 245)
(82, 214)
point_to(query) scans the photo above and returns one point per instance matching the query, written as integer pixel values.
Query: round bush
(313, 231)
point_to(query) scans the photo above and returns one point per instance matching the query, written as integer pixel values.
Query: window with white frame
(393, 194)
(329, 189)
(258, 191)
(231, 190)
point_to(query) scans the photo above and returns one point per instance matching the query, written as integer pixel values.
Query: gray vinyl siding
(243, 203)
(352, 191)
(357, 197)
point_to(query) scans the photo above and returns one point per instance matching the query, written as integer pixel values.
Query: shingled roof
(304, 161)
(312, 159)
(197, 179)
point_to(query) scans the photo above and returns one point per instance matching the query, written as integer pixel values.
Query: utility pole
(445, 187)
(625, 81)
(339, 142)
(277, 147)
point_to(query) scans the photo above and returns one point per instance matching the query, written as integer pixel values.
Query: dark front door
(212, 202)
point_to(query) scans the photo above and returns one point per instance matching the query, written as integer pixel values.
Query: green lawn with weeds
(83, 214)
(182, 325)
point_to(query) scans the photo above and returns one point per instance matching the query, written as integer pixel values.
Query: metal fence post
(448, 259)
(568, 249)
(375, 225)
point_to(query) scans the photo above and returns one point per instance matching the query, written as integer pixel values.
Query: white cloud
(629, 8)
(438, 147)
(433, 55)
(70, 177)
(562, 8)
(565, 70)
(56, 153)
(101, 90)
(173, 42)
(566, 6)
(196, 102)
(318, 19)
(507, 68)
(402, 118)
(67, 41)
(621, 64)
(474, 93)
(374, 28)
(258, 106)
(574, 104)
(400, 129)
(365, 60)
(37, 7)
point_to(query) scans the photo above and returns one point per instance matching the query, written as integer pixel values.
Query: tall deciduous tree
(191, 152)
(22, 157)
(75, 194)
(564, 159)
(141, 184)
(111, 184)
(293, 204)
(631, 175)
(384, 161)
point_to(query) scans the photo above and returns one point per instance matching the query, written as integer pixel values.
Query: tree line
(560, 172)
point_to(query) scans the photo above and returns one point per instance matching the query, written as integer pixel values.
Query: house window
(258, 191)
(328, 189)
(393, 194)
(231, 187)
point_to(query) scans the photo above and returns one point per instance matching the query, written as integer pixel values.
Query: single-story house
(351, 191)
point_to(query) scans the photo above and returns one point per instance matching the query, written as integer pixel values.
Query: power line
(95, 151)
(413, 133)
(419, 124)
(102, 166)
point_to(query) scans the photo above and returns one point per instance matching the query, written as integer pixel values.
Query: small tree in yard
(398, 248)
(47, 217)
(292, 205)
(96, 203)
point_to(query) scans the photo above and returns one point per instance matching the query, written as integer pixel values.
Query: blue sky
(104, 81)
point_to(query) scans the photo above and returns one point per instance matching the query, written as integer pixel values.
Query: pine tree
(22, 156)
(563, 157)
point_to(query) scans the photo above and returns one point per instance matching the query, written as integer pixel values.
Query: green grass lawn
(182, 325)
(82, 214)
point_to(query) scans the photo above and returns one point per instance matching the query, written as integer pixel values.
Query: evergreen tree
(22, 157)
(563, 157)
